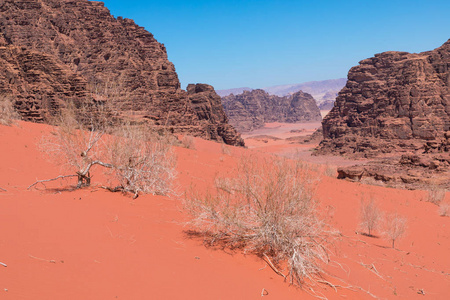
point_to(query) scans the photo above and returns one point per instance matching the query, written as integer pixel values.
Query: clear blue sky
(259, 43)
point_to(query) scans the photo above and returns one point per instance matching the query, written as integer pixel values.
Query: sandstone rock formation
(393, 102)
(250, 110)
(209, 111)
(52, 51)
(409, 171)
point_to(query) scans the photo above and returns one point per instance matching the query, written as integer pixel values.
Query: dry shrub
(330, 171)
(142, 160)
(444, 209)
(7, 112)
(89, 135)
(75, 142)
(436, 194)
(268, 209)
(188, 142)
(394, 227)
(370, 215)
(225, 149)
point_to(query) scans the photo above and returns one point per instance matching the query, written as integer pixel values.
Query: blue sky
(255, 44)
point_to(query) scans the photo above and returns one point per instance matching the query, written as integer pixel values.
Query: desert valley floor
(93, 244)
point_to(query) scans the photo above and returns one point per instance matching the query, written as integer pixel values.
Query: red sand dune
(93, 244)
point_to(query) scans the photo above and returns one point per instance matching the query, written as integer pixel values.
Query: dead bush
(436, 194)
(188, 142)
(89, 135)
(77, 141)
(330, 171)
(8, 114)
(394, 227)
(444, 209)
(370, 215)
(225, 149)
(142, 160)
(268, 209)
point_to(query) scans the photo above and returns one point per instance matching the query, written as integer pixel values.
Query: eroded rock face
(38, 82)
(409, 171)
(395, 101)
(55, 50)
(213, 121)
(250, 110)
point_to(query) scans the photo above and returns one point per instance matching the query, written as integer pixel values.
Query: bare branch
(3, 189)
(42, 259)
(91, 164)
(52, 179)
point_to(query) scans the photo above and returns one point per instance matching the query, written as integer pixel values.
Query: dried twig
(3, 189)
(373, 269)
(428, 270)
(264, 292)
(42, 259)
(269, 262)
(263, 267)
(314, 294)
(365, 291)
(52, 179)
(3, 264)
(329, 284)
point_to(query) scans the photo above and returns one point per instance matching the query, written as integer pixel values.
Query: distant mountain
(320, 90)
(236, 91)
(328, 100)
(251, 109)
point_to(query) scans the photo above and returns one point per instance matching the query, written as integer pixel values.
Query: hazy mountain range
(324, 91)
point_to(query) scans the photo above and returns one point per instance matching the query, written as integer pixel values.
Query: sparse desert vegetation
(436, 194)
(330, 170)
(370, 215)
(268, 209)
(187, 141)
(394, 227)
(8, 114)
(225, 149)
(88, 135)
(444, 209)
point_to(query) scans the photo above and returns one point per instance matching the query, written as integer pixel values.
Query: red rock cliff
(55, 50)
(395, 101)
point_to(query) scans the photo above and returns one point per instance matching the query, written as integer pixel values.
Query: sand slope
(93, 244)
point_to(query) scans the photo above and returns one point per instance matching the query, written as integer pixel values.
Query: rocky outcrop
(409, 171)
(250, 110)
(213, 120)
(52, 51)
(393, 102)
